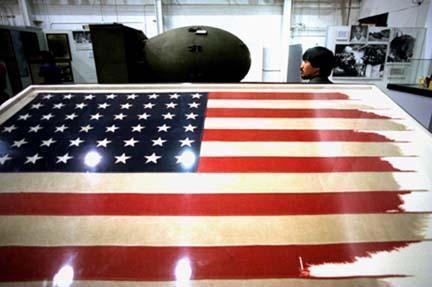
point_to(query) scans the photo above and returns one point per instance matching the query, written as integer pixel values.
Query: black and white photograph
(357, 60)
(379, 34)
(374, 60)
(349, 60)
(358, 34)
(402, 45)
(82, 40)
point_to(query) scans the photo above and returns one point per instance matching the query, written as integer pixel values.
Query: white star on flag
(58, 106)
(64, 158)
(137, 128)
(71, 116)
(95, 116)
(80, 106)
(19, 143)
(9, 129)
(132, 96)
(191, 116)
(186, 142)
(163, 128)
(47, 97)
(47, 117)
(86, 128)
(112, 128)
(120, 116)
(47, 142)
(143, 116)
(33, 159)
(171, 105)
(149, 106)
(103, 106)
(158, 142)
(122, 158)
(75, 142)
(103, 142)
(194, 105)
(4, 158)
(68, 97)
(130, 142)
(174, 96)
(152, 158)
(89, 97)
(189, 128)
(36, 106)
(126, 106)
(153, 96)
(111, 97)
(61, 128)
(196, 96)
(35, 129)
(24, 117)
(168, 116)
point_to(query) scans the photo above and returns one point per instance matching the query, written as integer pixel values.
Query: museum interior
(276, 33)
(216, 143)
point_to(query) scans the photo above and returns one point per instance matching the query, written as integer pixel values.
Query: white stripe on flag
(211, 230)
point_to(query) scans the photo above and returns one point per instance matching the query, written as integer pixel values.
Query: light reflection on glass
(64, 277)
(187, 159)
(92, 158)
(183, 272)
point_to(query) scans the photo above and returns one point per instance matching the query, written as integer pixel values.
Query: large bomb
(196, 54)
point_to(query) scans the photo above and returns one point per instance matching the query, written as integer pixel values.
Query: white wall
(402, 13)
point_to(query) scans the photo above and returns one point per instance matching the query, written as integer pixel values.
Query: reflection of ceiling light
(419, 2)
(92, 158)
(64, 277)
(187, 159)
(183, 271)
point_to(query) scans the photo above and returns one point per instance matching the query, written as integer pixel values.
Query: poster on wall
(402, 45)
(379, 34)
(358, 34)
(342, 34)
(82, 40)
(360, 60)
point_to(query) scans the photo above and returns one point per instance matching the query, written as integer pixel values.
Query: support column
(285, 39)
(25, 12)
(159, 16)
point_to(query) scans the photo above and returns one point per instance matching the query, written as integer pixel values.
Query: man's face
(307, 71)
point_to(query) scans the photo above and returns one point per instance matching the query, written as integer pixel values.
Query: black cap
(320, 57)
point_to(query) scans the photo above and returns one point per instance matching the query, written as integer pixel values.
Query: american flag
(290, 186)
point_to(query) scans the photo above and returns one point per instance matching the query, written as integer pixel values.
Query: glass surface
(213, 185)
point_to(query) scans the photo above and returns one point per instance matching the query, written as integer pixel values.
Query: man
(318, 63)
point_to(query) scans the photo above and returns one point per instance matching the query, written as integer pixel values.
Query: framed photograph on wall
(58, 45)
(360, 60)
(402, 45)
(358, 34)
(379, 34)
(349, 61)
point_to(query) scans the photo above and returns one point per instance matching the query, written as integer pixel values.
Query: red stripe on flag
(293, 164)
(291, 113)
(276, 96)
(292, 135)
(199, 204)
(159, 263)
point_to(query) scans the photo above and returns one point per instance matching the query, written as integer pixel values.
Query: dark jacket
(320, 80)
